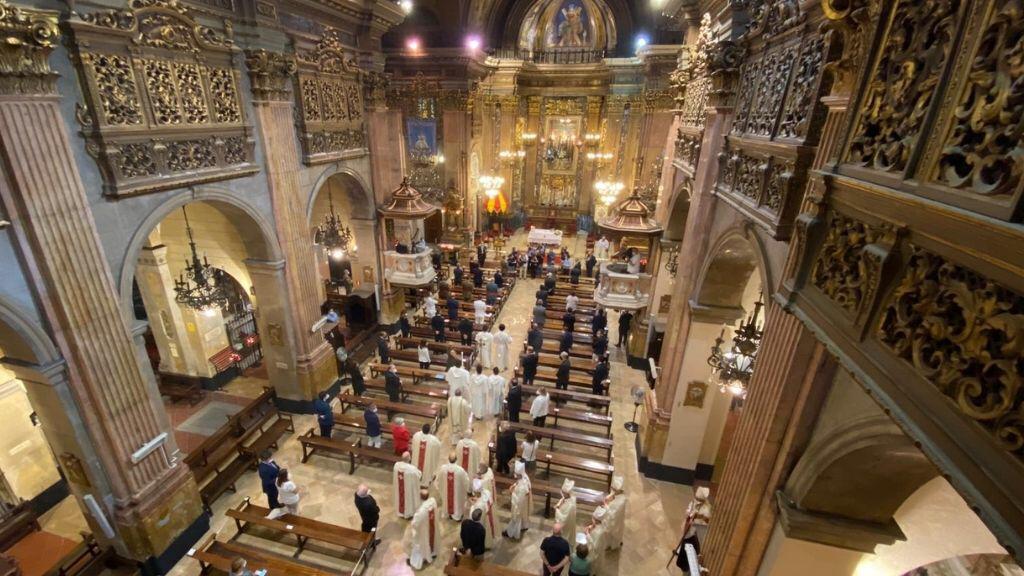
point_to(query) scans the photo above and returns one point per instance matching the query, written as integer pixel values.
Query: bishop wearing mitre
(406, 479)
(453, 485)
(423, 536)
(596, 533)
(522, 498)
(460, 415)
(616, 519)
(565, 511)
(483, 500)
(468, 453)
(426, 454)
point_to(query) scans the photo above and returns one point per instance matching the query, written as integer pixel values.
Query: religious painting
(561, 144)
(570, 27)
(696, 391)
(275, 334)
(557, 190)
(74, 471)
(422, 138)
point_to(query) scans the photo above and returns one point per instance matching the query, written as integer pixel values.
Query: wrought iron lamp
(201, 286)
(332, 234)
(734, 368)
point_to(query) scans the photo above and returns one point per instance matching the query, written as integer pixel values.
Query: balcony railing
(557, 56)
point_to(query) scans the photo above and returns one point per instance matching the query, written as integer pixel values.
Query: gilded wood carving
(162, 108)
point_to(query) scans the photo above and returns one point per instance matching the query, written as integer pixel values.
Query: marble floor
(653, 515)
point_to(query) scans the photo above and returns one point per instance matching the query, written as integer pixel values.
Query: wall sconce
(592, 138)
(529, 138)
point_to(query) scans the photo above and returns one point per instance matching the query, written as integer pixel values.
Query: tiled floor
(653, 514)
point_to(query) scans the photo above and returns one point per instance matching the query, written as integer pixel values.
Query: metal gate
(245, 339)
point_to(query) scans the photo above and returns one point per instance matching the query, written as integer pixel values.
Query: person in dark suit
(478, 277)
(565, 342)
(356, 375)
(472, 534)
(268, 470)
(514, 400)
(600, 344)
(549, 282)
(403, 325)
(574, 274)
(466, 331)
(383, 347)
(481, 254)
(591, 263)
(457, 275)
(492, 291)
(562, 378)
(600, 320)
(601, 372)
(540, 314)
(625, 320)
(535, 337)
(506, 447)
(393, 384)
(499, 279)
(369, 512)
(569, 320)
(542, 295)
(529, 363)
(437, 325)
(324, 416)
(372, 426)
(453, 308)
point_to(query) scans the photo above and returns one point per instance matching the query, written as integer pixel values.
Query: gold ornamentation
(186, 155)
(840, 270)
(224, 95)
(269, 74)
(27, 36)
(800, 99)
(964, 333)
(162, 92)
(118, 93)
(688, 148)
(136, 160)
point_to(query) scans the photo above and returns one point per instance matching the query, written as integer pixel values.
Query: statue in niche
(570, 26)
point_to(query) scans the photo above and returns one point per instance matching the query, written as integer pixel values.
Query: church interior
(512, 287)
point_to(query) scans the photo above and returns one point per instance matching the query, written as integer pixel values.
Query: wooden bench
(219, 556)
(311, 444)
(554, 347)
(553, 491)
(429, 392)
(432, 412)
(578, 338)
(546, 374)
(424, 332)
(306, 529)
(578, 464)
(424, 376)
(410, 355)
(580, 364)
(442, 347)
(582, 416)
(223, 360)
(568, 436)
(180, 387)
(597, 402)
(469, 566)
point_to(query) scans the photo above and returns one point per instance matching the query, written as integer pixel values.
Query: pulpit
(620, 290)
(409, 270)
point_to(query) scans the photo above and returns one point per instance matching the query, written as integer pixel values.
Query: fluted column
(315, 368)
(46, 202)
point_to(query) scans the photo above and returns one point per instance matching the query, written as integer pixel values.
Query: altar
(544, 236)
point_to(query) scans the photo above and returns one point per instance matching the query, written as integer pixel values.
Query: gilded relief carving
(146, 72)
(964, 333)
(779, 174)
(840, 270)
(796, 112)
(688, 148)
(29, 37)
(902, 84)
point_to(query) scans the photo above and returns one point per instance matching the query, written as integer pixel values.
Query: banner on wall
(422, 137)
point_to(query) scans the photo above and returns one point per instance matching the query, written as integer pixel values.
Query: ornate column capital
(270, 74)
(27, 36)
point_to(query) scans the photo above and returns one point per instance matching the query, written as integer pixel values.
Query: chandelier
(491, 185)
(608, 191)
(201, 287)
(734, 368)
(332, 235)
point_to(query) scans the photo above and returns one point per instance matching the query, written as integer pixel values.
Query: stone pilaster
(156, 286)
(46, 202)
(270, 74)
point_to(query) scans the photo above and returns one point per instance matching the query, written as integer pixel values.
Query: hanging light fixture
(608, 191)
(491, 185)
(201, 286)
(733, 369)
(332, 235)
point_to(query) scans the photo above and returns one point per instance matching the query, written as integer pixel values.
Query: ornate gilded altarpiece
(329, 96)
(162, 106)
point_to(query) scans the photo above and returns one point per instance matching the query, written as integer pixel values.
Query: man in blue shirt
(324, 416)
(372, 427)
(268, 470)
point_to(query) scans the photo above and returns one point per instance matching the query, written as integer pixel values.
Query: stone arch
(257, 232)
(23, 339)
(678, 211)
(540, 21)
(732, 259)
(504, 20)
(358, 193)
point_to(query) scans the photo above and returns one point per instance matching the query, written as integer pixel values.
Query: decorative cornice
(270, 74)
(28, 37)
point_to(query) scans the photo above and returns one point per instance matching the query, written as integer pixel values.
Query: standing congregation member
(468, 453)
(625, 319)
(465, 332)
(564, 369)
(600, 320)
(404, 326)
(499, 280)
(580, 564)
(372, 426)
(565, 342)
(495, 392)
(539, 314)
(453, 307)
(529, 363)
(459, 415)
(438, 326)
(591, 262)
(457, 275)
(423, 536)
(268, 470)
(600, 344)
(453, 358)
(550, 282)
(565, 510)
(528, 454)
(453, 485)
(356, 376)
(288, 496)
(406, 480)
(542, 295)
(479, 311)
(383, 348)
(483, 346)
(502, 343)
(478, 277)
(574, 274)
(473, 535)
(426, 454)
(492, 290)
(369, 512)
(478, 393)
(514, 400)
(324, 415)
(601, 372)
(555, 552)
(569, 321)
(522, 501)
(393, 384)
(572, 302)
(506, 448)
(423, 355)
(400, 435)
(540, 406)
(535, 337)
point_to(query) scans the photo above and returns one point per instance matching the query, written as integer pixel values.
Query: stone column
(152, 501)
(315, 367)
(533, 150)
(177, 355)
(364, 232)
(270, 287)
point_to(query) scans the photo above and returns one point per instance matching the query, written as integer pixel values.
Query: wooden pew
(357, 424)
(552, 491)
(545, 374)
(425, 332)
(312, 444)
(424, 376)
(585, 339)
(354, 542)
(219, 556)
(577, 351)
(432, 412)
(579, 365)
(578, 464)
(432, 393)
(442, 347)
(556, 413)
(596, 402)
(569, 436)
(410, 355)
(470, 566)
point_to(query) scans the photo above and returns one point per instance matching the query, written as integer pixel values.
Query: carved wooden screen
(162, 106)
(692, 81)
(763, 169)
(329, 96)
(941, 113)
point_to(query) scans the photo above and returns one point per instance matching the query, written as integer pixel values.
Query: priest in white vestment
(426, 454)
(423, 536)
(406, 479)
(601, 248)
(479, 311)
(483, 500)
(484, 339)
(522, 500)
(486, 475)
(495, 392)
(458, 379)
(430, 306)
(595, 533)
(459, 416)
(468, 453)
(616, 519)
(453, 485)
(478, 393)
(502, 344)
(565, 511)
